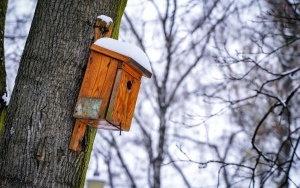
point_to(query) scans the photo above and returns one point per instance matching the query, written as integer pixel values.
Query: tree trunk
(3, 7)
(34, 147)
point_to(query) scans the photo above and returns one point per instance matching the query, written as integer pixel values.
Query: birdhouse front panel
(124, 95)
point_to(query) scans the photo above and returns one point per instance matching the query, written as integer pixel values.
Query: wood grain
(123, 100)
(110, 77)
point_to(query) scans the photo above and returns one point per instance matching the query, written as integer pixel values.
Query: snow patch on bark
(105, 18)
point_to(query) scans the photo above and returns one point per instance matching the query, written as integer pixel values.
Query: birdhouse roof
(141, 60)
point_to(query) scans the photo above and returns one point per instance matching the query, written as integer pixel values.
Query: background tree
(235, 120)
(34, 147)
(3, 7)
(18, 21)
(221, 109)
(176, 38)
(260, 88)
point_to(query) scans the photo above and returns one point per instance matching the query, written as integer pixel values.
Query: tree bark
(34, 147)
(3, 7)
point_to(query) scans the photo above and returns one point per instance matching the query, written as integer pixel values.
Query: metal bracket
(87, 108)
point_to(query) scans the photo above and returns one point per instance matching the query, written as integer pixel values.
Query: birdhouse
(111, 85)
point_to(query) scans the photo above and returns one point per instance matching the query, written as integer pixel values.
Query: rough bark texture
(3, 7)
(34, 147)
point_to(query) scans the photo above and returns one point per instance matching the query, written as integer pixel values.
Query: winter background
(202, 120)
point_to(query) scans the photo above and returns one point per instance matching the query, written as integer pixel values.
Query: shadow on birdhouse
(110, 88)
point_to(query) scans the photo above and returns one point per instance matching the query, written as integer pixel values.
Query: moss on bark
(3, 7)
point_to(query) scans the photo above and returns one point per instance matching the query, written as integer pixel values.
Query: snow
(107, 19)
(126, 49)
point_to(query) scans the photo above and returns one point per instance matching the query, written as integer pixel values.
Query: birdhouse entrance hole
(129, 85)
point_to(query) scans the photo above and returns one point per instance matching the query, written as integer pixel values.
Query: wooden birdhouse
(110, 86)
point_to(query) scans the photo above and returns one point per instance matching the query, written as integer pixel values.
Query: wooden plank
(110, 116)
(131, 70)
(97, 83)
(123, 99)
(132, 95)
(99, 79)
(108, 86)
(77, 136)
(93, 78)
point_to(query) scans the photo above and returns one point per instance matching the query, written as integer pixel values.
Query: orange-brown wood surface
(110, 77)
(77, 135)
(123, 100)
(99, 79)
(131, 70)
(97, 82)
(94, 68)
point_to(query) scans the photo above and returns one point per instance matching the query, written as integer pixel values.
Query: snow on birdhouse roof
(105, 18)
(126, 49)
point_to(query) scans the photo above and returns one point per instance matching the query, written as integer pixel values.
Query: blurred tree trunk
(34, 147)
(3, 7)
(288, 29)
